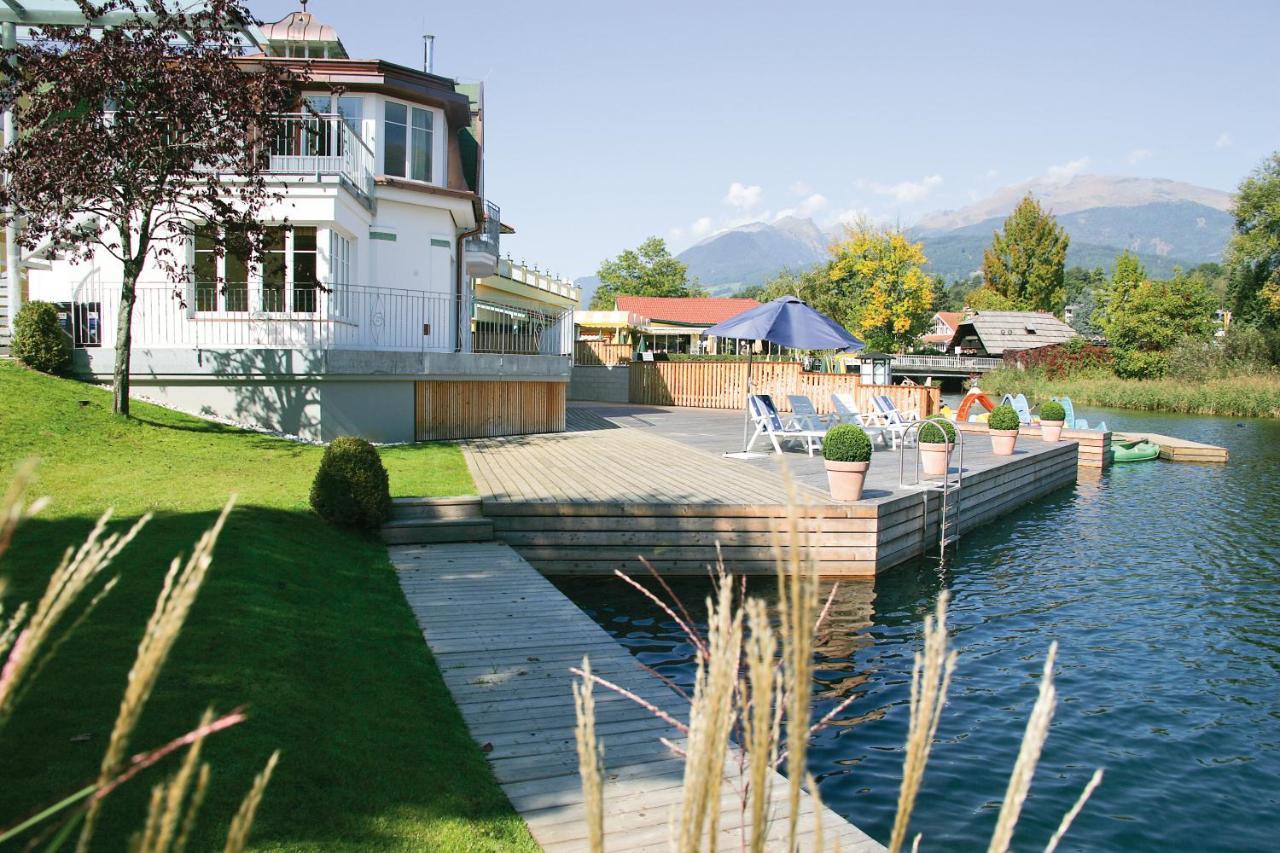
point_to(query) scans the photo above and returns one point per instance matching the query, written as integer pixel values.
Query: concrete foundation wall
(599, 384)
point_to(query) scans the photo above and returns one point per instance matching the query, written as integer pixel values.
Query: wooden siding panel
(452, 410)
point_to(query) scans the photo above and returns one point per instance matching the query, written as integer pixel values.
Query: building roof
(1014, 330)
(951, 318)
(685, 311)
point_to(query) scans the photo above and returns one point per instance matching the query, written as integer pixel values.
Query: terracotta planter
(1051, 430)
(846, 478)
(933, 458)
(1002, 441)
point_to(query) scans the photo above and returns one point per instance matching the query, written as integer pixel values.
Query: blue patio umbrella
(789, 322)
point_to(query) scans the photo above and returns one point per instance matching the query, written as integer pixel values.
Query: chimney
(429, 54)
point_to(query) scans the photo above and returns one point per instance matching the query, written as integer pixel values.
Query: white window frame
(436, 132)
(255, 284)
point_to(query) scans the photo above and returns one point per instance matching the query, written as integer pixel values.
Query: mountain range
(1167, 223)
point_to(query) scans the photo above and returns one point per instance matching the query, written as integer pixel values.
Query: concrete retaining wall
(599, 384)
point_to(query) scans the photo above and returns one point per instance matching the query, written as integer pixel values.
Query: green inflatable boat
(1134, 451)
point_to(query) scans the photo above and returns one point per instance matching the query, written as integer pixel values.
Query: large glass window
(288, 270)
(303, 263)
(205, 269)
(407, 141)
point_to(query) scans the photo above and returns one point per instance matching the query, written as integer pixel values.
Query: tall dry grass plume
(752, 705)
(31, 635)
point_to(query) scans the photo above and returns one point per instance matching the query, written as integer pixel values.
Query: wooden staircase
(426, 521)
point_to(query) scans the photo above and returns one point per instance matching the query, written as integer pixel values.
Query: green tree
(1115, 296)
(1157, 314)
(1253, 257)
(648, 270)
(1026, 261)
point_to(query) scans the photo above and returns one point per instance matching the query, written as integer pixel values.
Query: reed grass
(1246, 395)
(751, 684)
(31, 635)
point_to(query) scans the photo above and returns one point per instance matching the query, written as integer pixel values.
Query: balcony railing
(486, 242)
(230, 315)
(321, 144)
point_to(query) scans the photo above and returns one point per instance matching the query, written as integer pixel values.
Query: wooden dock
(1178, 449)
(504, 638)
(594, 500)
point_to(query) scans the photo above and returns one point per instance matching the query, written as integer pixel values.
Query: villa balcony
(322, 145)
(480, 252)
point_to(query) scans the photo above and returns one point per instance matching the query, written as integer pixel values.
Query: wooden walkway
(504, 638)
(1178, 449)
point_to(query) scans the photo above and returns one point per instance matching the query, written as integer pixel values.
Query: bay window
(407, 140)
(287, 271)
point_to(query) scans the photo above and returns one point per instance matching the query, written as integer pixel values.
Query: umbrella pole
(746, 411)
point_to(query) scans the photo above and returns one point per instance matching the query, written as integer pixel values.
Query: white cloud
(1063, 172)
(801, 188)
(811, 206)
(906, 192)
(742, 196)
(1137, 155)
(701, 227)
(675, 233)
(1224, 140)
(991, 173)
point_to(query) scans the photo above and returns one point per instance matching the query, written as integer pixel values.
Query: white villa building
(383, 311)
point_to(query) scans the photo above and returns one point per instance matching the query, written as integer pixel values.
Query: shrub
(1194, 359)
(846, 443)
(351, 487)
(1137, 364)
(1245, 349)
(1052, 411)
(38, 340)
(937, 432)
(1003, 417)
(1058, 360)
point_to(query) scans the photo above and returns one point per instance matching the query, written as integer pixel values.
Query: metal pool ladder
(947, 487)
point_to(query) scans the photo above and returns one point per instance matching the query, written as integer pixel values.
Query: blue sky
(611, 121)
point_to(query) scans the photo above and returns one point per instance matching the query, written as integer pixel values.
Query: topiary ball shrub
(1053, 411)
(937, 432)
(38, 340)
(1003, 417)
(351, 487)
(846, 443)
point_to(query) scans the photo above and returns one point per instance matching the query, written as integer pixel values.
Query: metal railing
(321, 144)
(311, 316)
(953, 362)
(486, 242)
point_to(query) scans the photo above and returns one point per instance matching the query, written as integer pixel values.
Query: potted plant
(937, 438)
(846, 450)
(1052, 416)
(1003, 425)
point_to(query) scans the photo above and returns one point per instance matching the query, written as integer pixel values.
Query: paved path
(504, 638)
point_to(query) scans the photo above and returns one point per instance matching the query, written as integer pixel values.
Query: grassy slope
(1241, 396)
(303, 623)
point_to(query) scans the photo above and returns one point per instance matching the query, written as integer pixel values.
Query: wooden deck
(1178, 449)
(504, 638)
(648, 482)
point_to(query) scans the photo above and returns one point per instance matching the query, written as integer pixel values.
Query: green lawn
(303, 623)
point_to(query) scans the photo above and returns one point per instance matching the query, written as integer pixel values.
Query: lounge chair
(1019, 404)
(767, 422)
(804, 414)
(894, 423)
(847, 413)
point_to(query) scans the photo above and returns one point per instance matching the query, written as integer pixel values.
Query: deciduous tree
(878, 287)
(1026, 260)
(1254, 252)
(127, 135)
(648, 270)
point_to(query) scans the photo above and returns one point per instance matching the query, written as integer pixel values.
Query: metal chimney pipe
(429, 54)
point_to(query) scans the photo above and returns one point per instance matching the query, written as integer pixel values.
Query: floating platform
(653, 482)
(1178, 449)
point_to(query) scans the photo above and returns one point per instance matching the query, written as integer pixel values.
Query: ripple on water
(1161, 583)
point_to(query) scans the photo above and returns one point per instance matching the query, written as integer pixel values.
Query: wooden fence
(598, 353)
(723, 385)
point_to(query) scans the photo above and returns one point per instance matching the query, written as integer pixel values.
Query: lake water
(1161, 584)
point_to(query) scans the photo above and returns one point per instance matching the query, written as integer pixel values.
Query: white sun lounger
(764, 415)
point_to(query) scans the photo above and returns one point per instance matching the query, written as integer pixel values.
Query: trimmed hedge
(38, 340)
(1003, 417)
(846, 443)
(1052, 411)
(351, 487)
(937, 432)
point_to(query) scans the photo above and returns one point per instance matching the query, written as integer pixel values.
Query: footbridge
(943, 365)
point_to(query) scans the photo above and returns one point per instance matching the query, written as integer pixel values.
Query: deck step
(462, 506)
(427, 531)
